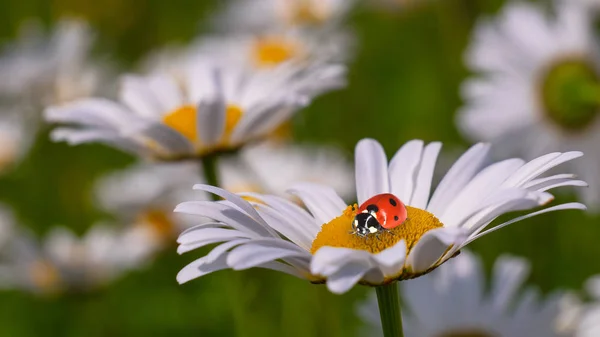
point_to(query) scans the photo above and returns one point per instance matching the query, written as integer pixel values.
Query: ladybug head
(364, 224)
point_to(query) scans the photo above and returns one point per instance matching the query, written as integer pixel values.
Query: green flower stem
(389, 310)
(209, 169)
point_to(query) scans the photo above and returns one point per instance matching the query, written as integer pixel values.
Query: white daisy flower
(16, 138)
(64, 262)
(271, 232)
(143, 197)
(502, 308)
(272, 48)
(587, 316)
(260, 15)
(218, 108)
(40, 69)
(538, 89)
(271, 168)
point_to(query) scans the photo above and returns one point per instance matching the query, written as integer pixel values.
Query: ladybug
(379, 213)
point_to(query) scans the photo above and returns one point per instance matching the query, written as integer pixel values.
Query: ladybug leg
(389, 231)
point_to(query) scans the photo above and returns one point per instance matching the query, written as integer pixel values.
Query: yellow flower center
(336, 233)
(44, 276)
(467, 333)
(159, 222)
(184, 121)
(270, 51)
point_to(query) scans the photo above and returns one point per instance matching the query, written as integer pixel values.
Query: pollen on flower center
(570, 92)
(336, 233)
(184, 121)
(270, 51)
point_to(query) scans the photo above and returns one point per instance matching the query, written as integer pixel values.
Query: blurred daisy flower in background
(538, 85)
(587, 314)
(260, 15)
(218, 108)
(272, 168)
(63, 262)
(40, 69)
(456, 300)
(270, 232)
(143, 197)
(16, 138)
(272, 48)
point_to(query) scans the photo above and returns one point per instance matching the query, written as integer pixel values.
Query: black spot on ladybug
(395, 218)
(393, 202)
(372, 208)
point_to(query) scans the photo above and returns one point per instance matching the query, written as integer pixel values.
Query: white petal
(458, 176)
(328, 260)
(371, 170)
(425, 175)
(567, 182)
(541, 182)
(211, 113)
(572, 205)
(538, 166)
(294, 232)
(108, 137)
(322, 201)
(200, 268)
(136, 93)
(402, 169)
(478, 189)
(432, 246)
(261, 251)
(167, 138)
(459, 217)
(257, 123)
(207, 234)
(509, 274)
(480, 220)
(237, 201)
(392, 259)
(221, 249)
(282, 267)
(229, 216)
(290, 210)
(346, 278)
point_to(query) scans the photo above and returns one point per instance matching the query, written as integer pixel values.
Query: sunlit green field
(403, 84)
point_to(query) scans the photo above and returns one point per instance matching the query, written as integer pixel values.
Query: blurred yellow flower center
(466, 333)
(44, 276)
(158, 221)
(184, 121)
(336, 233)
(233, 115)
(304, 12)
(270, 51)
(282, 133)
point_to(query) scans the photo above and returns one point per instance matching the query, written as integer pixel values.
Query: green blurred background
(403, 84)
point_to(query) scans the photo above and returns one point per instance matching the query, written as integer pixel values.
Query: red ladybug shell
(388, 209)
